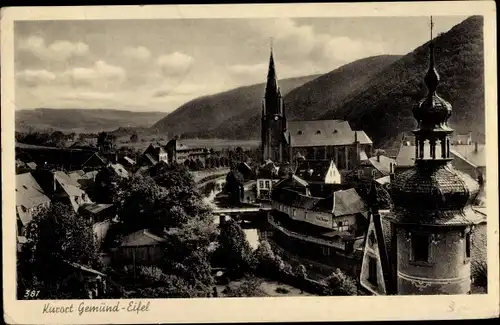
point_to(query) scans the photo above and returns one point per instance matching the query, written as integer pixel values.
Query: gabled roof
(469, 154)
(406, 156)
(97, 156)
(29, 194)
(313, 170)
(141, 238)
(324, 133)
(66, 178)
(292, 181)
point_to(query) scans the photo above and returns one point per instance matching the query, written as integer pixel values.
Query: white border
(255, 309)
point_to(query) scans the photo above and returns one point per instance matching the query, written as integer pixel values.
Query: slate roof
(324, 133)
(343, 202)
(120, 170)
(469, 154)
(384, 165)
(141, 238)
(29, 194)
(313, 170)
(293, 198)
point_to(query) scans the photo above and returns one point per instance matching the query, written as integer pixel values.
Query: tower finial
(271, 44)
(432, 77)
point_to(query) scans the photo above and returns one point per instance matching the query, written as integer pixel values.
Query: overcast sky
(157, 65)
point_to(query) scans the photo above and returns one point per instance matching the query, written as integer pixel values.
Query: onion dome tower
(432, 217)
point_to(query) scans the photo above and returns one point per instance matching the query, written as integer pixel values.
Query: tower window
(371, 239)
(467, 245)
(420, 247)
(372, 270)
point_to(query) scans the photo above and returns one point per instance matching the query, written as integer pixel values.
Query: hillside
(208, 112)
(307, 101)
(83, 120)
(383, 106)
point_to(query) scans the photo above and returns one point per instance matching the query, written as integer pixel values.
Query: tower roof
(272, 87)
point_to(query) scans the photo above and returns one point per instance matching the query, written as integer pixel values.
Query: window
(318, 132)
(267, 184)
(467, 245)
(374, 172)
(360, 173)
(372, 271)
(326, 250)
(420, 247)
(371, 239)
(294, 213)
(300, 132)
(261, 184)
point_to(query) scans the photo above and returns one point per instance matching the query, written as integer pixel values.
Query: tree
(55, 237)
(234, 185)
(109, 187)
(340, 284)
(249, 288)
(134, 138)
(234, 249)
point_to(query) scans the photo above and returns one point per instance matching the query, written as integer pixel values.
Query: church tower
(273, 122)
(432, 217)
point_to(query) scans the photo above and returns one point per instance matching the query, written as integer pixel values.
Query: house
(179, 152)
(319, 172)
(30, 199)
(68, 191)
(376, 167)
(154, 153)
(96, 280)
(100, 216)
(140, 248)
(267, 176)
(84, 180)
(324, 230)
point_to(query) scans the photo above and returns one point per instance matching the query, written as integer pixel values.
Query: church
(285, 141)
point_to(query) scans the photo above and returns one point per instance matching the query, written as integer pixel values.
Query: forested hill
(383, 106)
(307, 101)
(208, 112)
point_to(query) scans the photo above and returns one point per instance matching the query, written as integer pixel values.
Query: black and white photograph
(248, 156)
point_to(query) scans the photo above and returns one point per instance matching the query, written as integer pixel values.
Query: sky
(157, 65)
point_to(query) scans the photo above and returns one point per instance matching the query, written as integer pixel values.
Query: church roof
(324, 133)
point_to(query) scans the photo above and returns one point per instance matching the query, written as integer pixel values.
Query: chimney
(475, 146)
(378, 156)
(391, 172)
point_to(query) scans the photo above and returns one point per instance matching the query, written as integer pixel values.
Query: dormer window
(318, 132)
(335, 131)
(300, 132)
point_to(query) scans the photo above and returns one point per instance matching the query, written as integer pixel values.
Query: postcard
(249, 163)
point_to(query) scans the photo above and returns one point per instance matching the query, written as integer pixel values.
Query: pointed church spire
(272, 79)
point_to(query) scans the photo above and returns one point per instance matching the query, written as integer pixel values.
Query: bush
(282, 290)
(480, 275)
(340, 284)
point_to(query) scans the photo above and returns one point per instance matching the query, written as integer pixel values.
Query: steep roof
(151, 159)
(29, 194)
(406, 156)
(141, 238)
(324, 133)
(293, 198)
(468, 153)
(347, 202)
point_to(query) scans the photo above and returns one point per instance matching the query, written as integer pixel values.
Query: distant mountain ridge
(83, 120)
(205, 113)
